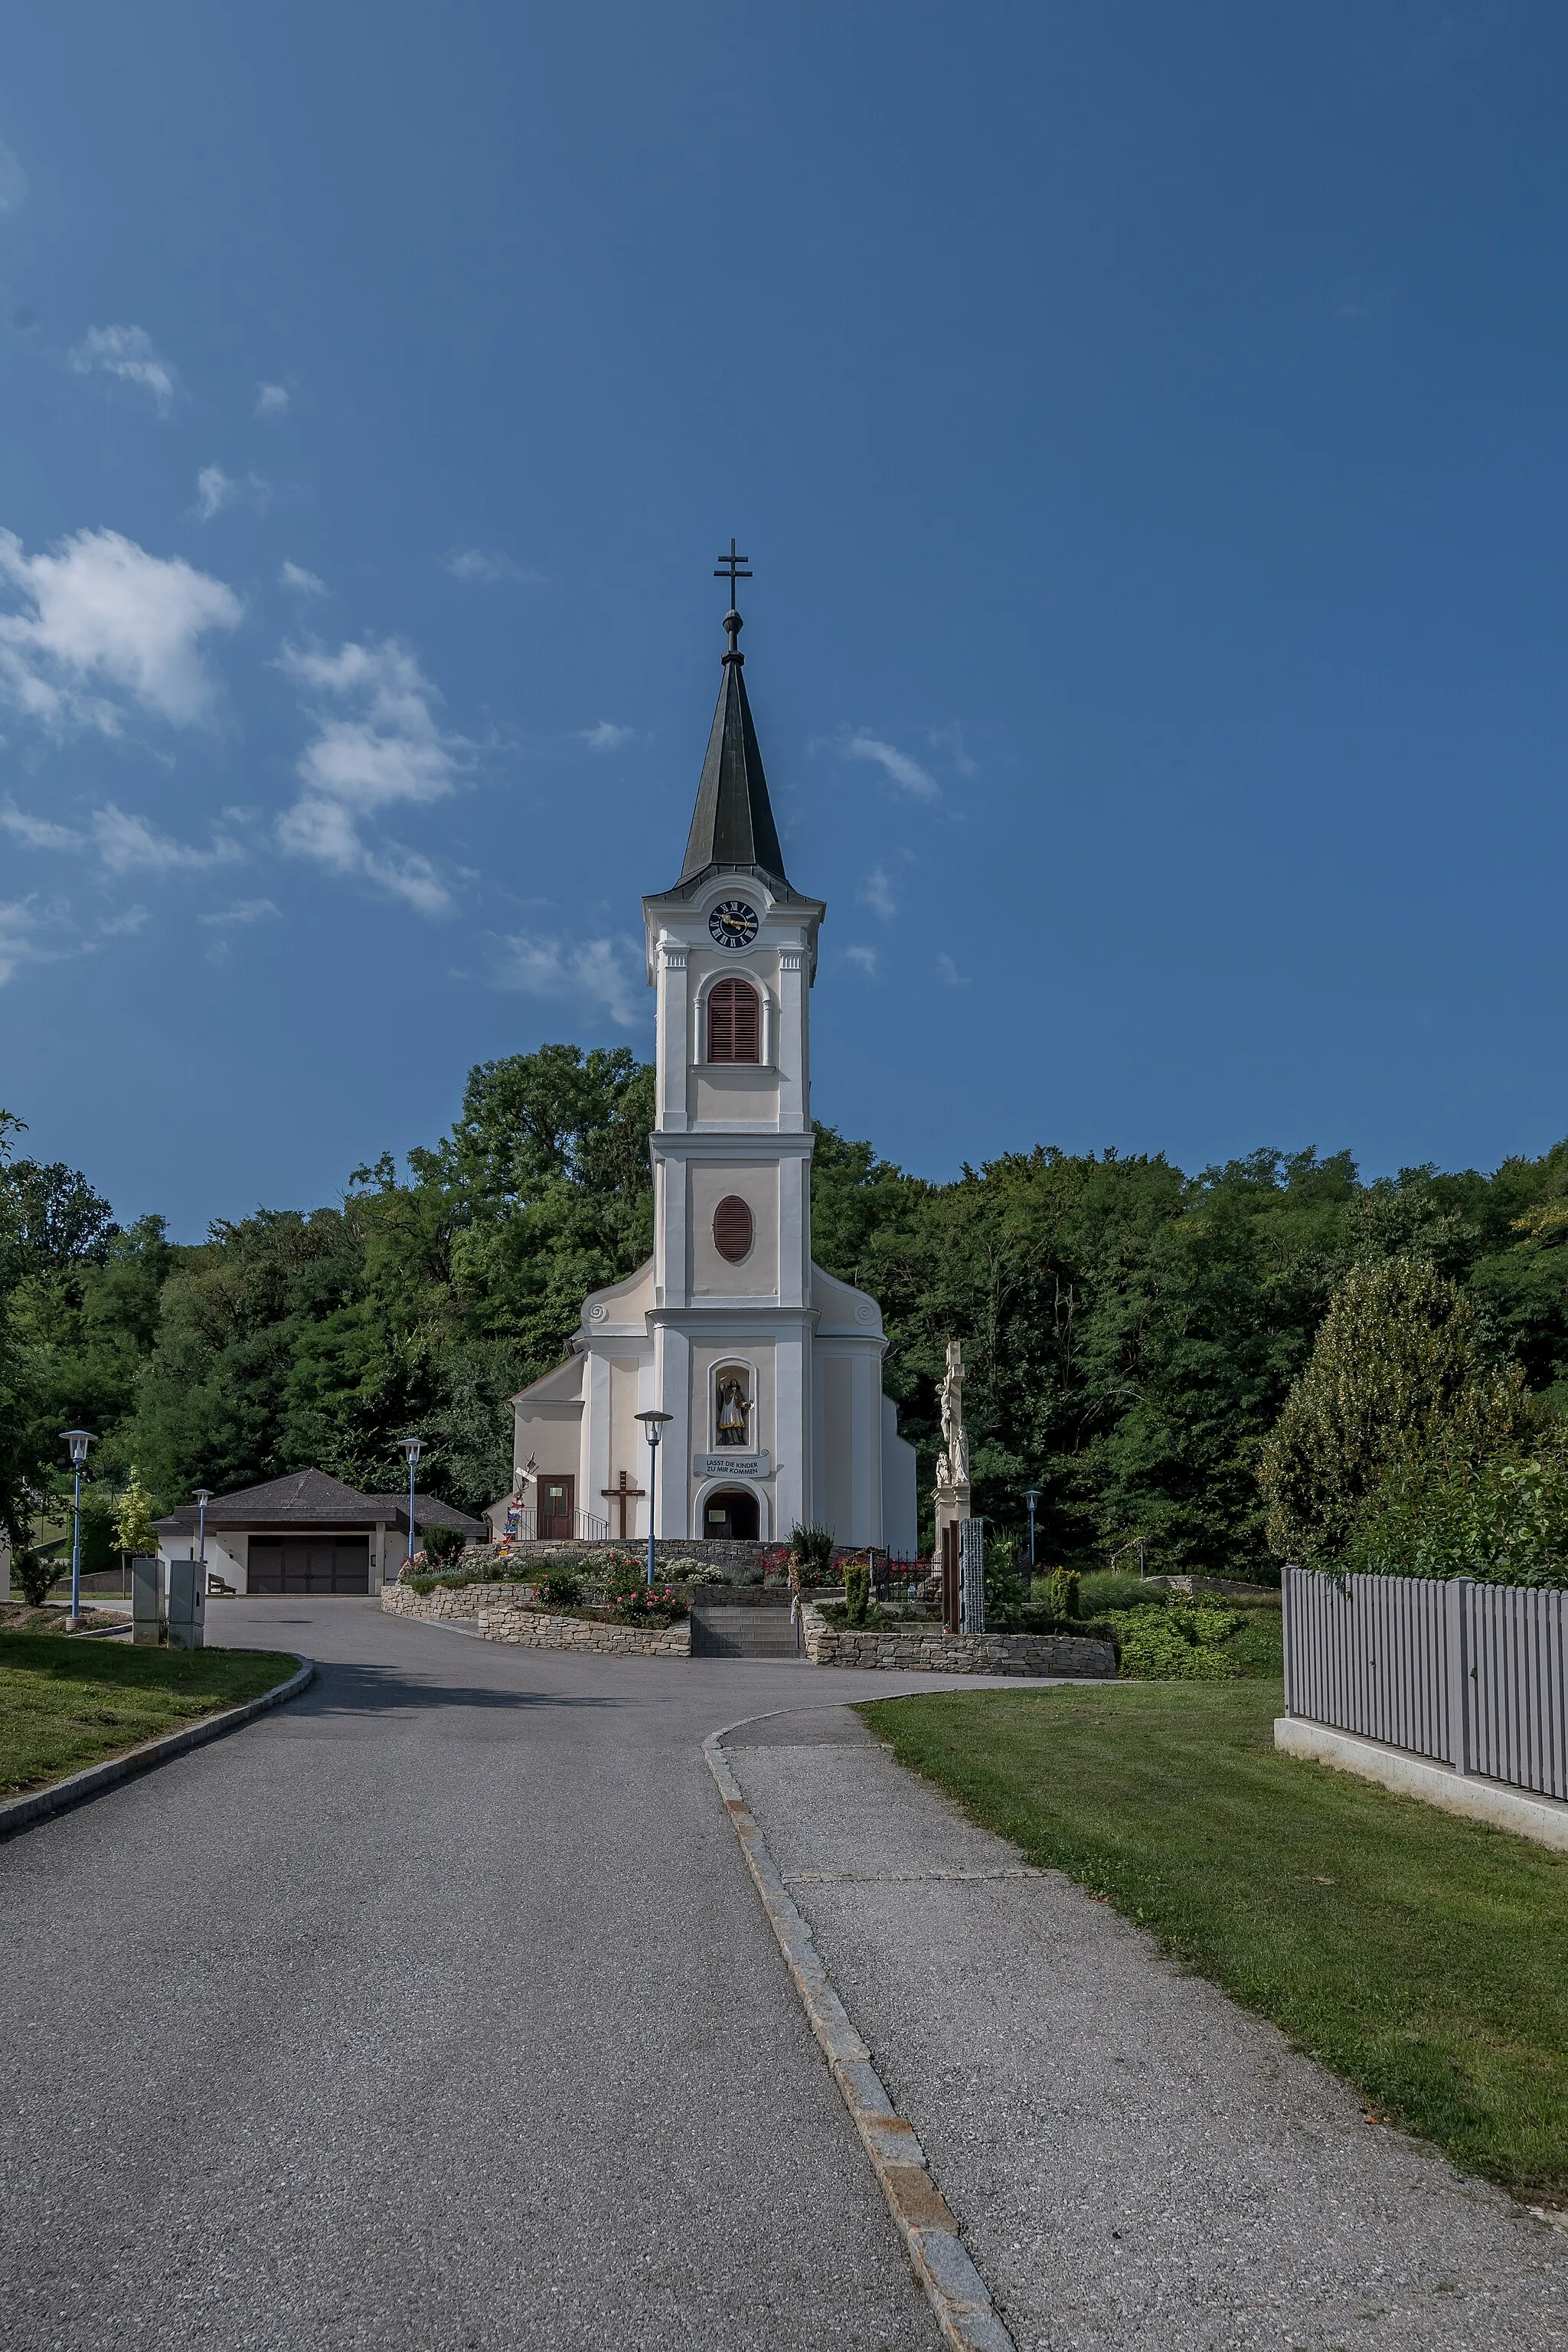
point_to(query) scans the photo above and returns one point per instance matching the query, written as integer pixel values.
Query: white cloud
(23, 938)
(243, 912)
(305, 584)
(125, 843)
(129, 844)
(865, 957)
(215, 490)
(947, 971)
(272, 400)
(99, 611)
(475, 564)
(606, 736)
(127, 353)
(125, 926)
(12, 181)
(593, 972)
(950, 739)
(377, 744)
(895, 765)
(877, 892)
(36, 831)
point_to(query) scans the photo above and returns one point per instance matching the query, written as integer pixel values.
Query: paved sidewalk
(1135, 2161)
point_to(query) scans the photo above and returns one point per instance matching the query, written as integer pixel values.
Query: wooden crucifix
(623, 1494)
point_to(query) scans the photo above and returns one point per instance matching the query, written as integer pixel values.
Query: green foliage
(35, 1574)
(1103, 1591)
(857, 1592)
(133, 1528)
(1063, 1592)
(443, 1544)
(1394, 1364)
(1176, 1645)
(1503, 1520)
(561, 1588)
(811, 1553)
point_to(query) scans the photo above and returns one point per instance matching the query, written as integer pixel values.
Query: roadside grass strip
(65, 1703)
(1422, 1957)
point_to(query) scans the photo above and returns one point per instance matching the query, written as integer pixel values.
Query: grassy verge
(65, 1704)
(1420, 1956)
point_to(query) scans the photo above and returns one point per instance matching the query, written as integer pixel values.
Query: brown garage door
(308, 1564)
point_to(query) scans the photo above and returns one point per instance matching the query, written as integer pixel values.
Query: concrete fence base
(1543, 1819)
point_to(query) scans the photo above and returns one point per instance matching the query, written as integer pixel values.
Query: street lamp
(78, 1440)
(412, 1447)
(653, 1429)
(203, 1497)
(1032, 1497)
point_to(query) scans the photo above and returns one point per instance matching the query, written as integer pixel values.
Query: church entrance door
(557, 1508)
(732, 1514)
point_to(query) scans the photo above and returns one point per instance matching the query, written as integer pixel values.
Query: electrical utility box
(187, 1604)
(146, 1598)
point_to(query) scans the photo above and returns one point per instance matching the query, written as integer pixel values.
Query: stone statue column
(952, 1463)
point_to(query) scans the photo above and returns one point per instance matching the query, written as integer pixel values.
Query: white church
(768, 1369)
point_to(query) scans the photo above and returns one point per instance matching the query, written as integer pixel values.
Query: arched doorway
(730, 1513)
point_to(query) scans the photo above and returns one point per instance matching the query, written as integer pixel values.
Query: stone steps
(756, 1633)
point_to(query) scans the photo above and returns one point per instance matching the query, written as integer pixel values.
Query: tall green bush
(1503, 1520)
(1393, 1368)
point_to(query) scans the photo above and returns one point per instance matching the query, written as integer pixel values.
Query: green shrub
(1504, 1522)
(35, 1574)
(811, 1553)
(1064, 1586)
(444, 1544)
(561, 1588)
(857, 1592)
(1176, 1645)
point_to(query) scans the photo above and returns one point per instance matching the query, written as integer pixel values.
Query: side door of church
(558, 1508)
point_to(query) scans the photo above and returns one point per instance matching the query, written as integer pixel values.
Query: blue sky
(1147, 429)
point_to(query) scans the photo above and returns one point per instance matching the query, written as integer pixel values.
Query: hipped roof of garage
(309, 1498)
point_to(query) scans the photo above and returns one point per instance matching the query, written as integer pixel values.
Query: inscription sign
(732, 1464)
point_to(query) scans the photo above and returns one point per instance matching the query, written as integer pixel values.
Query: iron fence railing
(1475, 1676)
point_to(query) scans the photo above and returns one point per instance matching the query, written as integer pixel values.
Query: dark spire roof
(733, 825)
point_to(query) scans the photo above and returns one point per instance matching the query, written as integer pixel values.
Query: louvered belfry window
(734, 1023)
(734, 1228)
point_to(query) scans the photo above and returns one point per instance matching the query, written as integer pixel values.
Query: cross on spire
(733, 567)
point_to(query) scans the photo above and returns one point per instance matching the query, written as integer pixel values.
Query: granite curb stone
(957, 2292)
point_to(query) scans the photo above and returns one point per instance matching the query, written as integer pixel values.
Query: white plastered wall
(756, 1182)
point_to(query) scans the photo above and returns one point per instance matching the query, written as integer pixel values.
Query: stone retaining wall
(933, 1650)
(496, 1615)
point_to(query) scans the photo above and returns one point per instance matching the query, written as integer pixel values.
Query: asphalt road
(435, 2011)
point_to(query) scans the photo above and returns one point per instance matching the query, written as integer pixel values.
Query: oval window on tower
(733, 1230)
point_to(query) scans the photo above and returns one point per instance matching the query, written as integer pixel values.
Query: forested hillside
(1130, 1332)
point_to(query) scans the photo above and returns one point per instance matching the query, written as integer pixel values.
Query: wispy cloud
(476, 566)
(606, 736)
(877, 892)
(895, 765)
(377, 745)
(128, 352)
(12, 181)
(303, 583)
(947, 971)
(126, 925)
(215, 489)
(272, 400)
(867, 958)
(98, 612)
(595, 973)
(950, 739)
(123, 842)
(243, 912)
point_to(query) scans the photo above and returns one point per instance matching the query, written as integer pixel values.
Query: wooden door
(557, 1507)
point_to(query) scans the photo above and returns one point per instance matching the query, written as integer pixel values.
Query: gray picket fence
(1475, 1676)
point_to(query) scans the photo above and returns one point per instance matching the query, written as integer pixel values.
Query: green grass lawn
(67, 1702)
(1424, 1959)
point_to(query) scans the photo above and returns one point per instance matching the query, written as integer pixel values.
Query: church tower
(770, 1370)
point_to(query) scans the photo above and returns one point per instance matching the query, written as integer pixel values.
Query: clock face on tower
(732, 923)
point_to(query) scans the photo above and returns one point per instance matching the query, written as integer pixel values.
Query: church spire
(733, 825)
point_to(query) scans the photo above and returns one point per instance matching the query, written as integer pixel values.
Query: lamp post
(1031, 1496)
(78, 1440)
(203, 1497)
(653, 1429)
(412, 1447)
